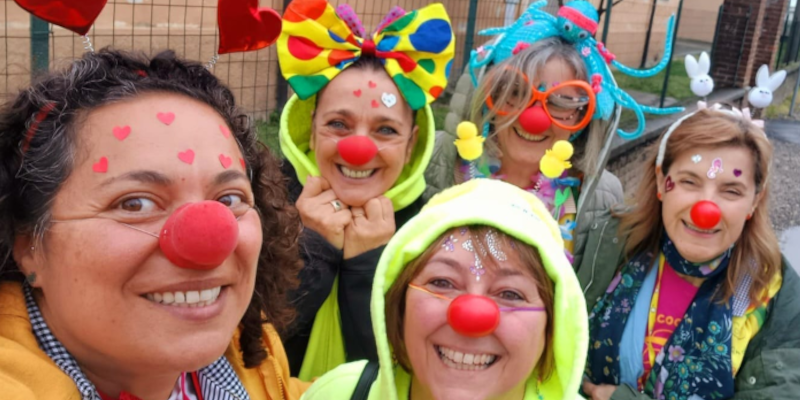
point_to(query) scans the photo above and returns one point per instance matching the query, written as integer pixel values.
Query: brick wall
(742, 47)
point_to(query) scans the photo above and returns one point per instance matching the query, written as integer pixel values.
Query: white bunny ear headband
(743, 114)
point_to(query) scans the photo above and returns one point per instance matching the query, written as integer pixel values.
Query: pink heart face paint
(186, 156)
(166, 118)
(225, 161)
(357, 93)
(101, 166)
(669, 184)
(225, 131)
(375, 104)
(372, 85)
(121, 132)
(737, 173)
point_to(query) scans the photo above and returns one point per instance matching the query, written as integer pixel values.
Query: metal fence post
(282, 87)
(469, 40)
(609, 6)
(649, 32)
(40, 46)
(672, 54)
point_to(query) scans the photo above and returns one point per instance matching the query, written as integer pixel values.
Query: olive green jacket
(771, 366)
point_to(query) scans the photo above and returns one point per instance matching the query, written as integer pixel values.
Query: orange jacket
(27, 373)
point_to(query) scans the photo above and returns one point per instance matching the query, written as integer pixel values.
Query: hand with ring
(372, 226)
(322, 212)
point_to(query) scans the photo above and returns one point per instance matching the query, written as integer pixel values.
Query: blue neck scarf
(696, 360)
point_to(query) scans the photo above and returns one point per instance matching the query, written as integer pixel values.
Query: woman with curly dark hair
(146, 240)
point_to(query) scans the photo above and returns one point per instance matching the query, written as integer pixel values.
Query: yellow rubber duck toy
(556, 160)
(469, 142)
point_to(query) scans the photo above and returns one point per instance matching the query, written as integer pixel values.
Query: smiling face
(449, 365)
(105, 286)
(356, 103)
(733, 190)
(522, 149)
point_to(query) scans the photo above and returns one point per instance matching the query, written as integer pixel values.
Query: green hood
(510, 210)
(295, 135)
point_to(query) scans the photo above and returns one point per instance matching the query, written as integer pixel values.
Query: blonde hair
(528, 256)
(531, 61)
(757, 243)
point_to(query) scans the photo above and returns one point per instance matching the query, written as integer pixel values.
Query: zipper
(594, 259)
(276, 368)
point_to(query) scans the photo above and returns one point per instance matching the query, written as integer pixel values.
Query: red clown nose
(705, 214)
(534, 120)
(200, 235)
(473, 316)
(357, 150)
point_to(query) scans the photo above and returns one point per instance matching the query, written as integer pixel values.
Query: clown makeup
(181, 318)
(361, 150)
(480, 252)
(464, 357)
(698, 236)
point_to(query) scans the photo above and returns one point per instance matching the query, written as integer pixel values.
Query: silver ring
(337, 205)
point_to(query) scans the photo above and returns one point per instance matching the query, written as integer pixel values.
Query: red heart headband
(243, 26)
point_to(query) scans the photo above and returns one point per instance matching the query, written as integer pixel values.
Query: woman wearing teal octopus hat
(473, 299)
(358, 135)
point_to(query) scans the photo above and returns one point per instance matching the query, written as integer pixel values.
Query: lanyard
(651, 320)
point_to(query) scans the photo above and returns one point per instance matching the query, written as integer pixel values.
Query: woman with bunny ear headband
(689, 295)
(357, 135)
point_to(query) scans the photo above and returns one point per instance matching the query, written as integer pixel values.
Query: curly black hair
(38, 135)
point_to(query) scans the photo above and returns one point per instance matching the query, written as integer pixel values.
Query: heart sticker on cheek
(186, 156)
(737, 173)
(669, 184)
(357, 93)
(225, 161)
(224, 130)
(166, 118)
(101, 166)
(375, 104)
(388, 100)
(372, 85)
(121, 132)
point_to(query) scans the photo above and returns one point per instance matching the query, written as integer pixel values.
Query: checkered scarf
(218, 381)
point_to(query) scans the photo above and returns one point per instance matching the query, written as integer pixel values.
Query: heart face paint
(669, 184)
(357, 93)
(737, 173)
(101, 166)
(166, 118)
(224, 130)
(121, 132)
(697, 158)
(389, 100)
(225, 161)
(372, 85)
(186, 156)
(375, 104)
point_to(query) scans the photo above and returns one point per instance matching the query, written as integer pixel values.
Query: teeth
(191, 299)
(694, 228)
(529, 137)
(465, 361)
(351, 173)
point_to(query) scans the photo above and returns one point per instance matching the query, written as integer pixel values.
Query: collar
(218, 381)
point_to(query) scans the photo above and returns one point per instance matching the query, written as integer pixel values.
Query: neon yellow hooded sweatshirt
(325, 349)
(507, 209)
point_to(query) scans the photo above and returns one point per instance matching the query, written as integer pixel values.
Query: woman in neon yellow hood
(358, 135)
(473, 299)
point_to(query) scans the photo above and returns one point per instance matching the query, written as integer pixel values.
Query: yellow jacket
(27, 373)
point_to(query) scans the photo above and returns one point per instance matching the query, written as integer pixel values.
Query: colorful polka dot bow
(317, 43)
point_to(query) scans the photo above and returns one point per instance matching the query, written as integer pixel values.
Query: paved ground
(785, 186)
